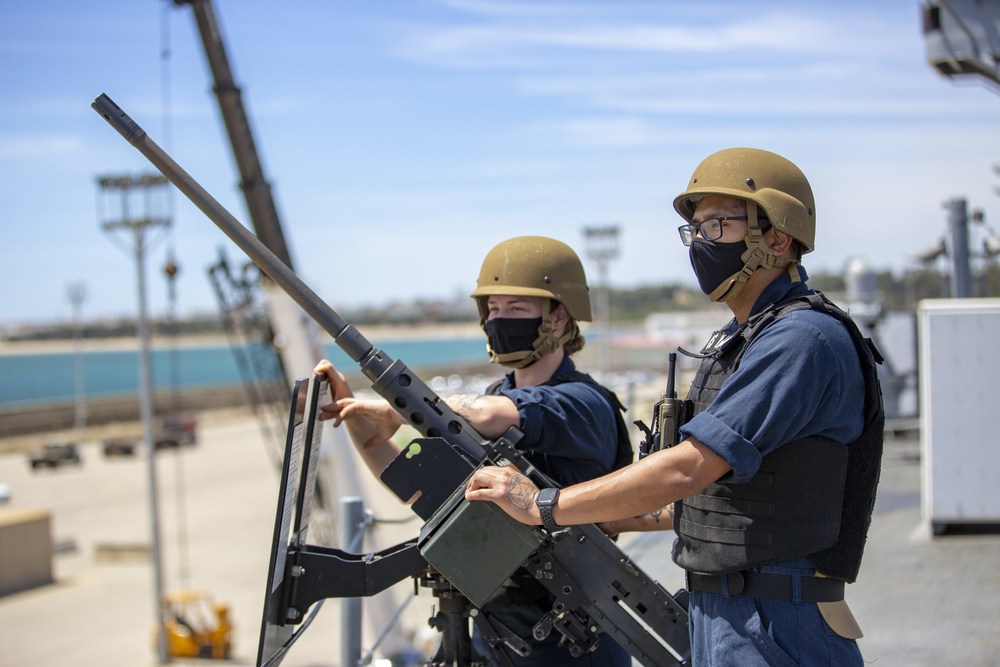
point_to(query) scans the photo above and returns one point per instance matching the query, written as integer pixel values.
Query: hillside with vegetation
(628, 306)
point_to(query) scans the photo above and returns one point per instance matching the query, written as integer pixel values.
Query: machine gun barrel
(590, 577)
(390, 378)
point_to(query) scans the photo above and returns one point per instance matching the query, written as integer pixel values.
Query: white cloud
(607, 132)
(502, 33)
(37, 146)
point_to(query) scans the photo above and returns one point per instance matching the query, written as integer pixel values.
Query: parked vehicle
(53, 455)
(174, 430)
(177, 429)
(114, 447)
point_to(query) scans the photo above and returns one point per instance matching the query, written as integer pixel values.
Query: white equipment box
(959, 342)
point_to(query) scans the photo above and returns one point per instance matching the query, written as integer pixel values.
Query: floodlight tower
(963, 39)
(142, 202)
(602, 247)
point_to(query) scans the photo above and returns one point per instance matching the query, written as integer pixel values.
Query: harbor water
(38, 379)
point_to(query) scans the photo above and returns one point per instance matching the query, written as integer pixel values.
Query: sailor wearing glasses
(773, 479)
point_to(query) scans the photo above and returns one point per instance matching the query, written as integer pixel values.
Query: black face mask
(714, 262)
(512, 334)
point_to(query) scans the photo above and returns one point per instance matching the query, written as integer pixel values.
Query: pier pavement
(921, 600)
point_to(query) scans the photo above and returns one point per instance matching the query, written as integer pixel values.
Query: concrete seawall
(61, 416)
(28, 420)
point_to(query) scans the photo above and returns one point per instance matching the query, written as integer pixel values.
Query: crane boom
(300, 348)
(253, 183)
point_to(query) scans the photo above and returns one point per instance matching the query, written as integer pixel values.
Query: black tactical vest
(811, 497)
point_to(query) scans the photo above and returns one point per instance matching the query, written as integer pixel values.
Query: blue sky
(403, 140)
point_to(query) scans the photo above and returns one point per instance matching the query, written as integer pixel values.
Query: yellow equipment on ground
(197, 627)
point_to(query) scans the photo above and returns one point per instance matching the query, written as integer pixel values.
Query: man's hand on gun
(515, 494)
(508, 488)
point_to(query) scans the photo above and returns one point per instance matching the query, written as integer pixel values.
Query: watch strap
(545, 500)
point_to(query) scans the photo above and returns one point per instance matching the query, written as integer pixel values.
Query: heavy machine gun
(473, 547)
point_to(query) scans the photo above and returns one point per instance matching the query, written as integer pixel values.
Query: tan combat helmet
(541, 267)
(769, 183)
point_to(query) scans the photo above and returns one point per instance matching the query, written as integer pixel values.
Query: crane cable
(171, 271)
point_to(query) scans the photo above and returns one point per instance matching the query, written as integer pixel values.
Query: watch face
(547, 496)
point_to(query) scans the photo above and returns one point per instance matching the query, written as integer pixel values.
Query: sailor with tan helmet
(531, 293)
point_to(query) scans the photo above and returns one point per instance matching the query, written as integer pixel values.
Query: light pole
(958, 225)
(602, 247)
(76, 293)
(137, 193)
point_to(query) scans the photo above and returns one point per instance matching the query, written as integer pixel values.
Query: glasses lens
(687, 233)
(711, 229)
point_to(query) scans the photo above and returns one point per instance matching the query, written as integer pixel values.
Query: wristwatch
(545, 501)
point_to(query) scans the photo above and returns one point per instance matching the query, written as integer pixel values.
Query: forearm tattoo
(656, 514)
(464, 404)
(520, 492)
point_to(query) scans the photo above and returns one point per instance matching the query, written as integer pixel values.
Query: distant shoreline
(375, 333)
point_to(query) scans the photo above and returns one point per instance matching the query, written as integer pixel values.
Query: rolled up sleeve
(571, 420)
(741, 454)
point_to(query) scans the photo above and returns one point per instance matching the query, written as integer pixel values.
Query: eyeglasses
(711, 229)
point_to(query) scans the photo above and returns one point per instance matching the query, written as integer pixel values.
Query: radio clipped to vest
(669, 414)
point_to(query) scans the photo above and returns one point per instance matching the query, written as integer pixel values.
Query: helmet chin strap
(758, 254)
(546, 342)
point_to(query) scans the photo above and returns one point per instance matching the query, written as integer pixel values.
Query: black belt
(767, 586)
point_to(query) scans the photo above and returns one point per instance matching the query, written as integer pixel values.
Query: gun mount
(597, 588)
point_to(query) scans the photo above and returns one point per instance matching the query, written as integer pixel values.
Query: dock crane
(275, 341)
(281, 347)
